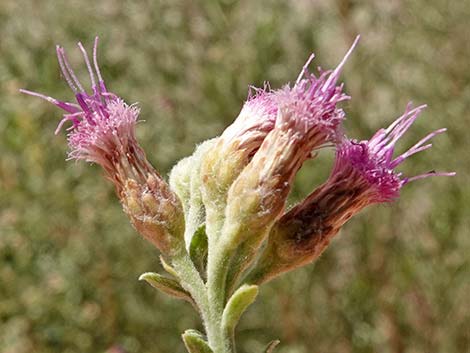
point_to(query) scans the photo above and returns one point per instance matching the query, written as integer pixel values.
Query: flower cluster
(222, 219)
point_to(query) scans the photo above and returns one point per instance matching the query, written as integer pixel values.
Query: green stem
(210, 300)
(217, 268)
(192, 282)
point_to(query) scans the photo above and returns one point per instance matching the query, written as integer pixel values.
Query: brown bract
(154, 210)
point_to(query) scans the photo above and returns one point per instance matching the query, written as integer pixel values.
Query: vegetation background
(395, 280)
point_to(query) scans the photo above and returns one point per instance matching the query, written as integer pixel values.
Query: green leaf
(166, 285)
(195, 342)
(271, 346)
(236, 306)
(198, 248)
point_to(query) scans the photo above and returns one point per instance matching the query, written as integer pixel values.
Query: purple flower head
(363, 174)
(310, 106)
(102, 123)
(103, 131)
(372, 163)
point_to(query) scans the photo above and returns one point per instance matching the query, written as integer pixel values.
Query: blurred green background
(396, 279)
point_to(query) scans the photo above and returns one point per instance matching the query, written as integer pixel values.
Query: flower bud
(222, 163)
(103, 132)
(185, 180)
(155, 212)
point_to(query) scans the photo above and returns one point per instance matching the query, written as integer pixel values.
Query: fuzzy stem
(210, 300)
(217, 268)
(192, 282)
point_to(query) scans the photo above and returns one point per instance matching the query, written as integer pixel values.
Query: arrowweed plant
(220, 222)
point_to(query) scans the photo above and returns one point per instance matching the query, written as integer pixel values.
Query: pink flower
(102, 123)
(372, 162)
(364, 173)
(310, 106)
(254, 122)
(103, 131)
